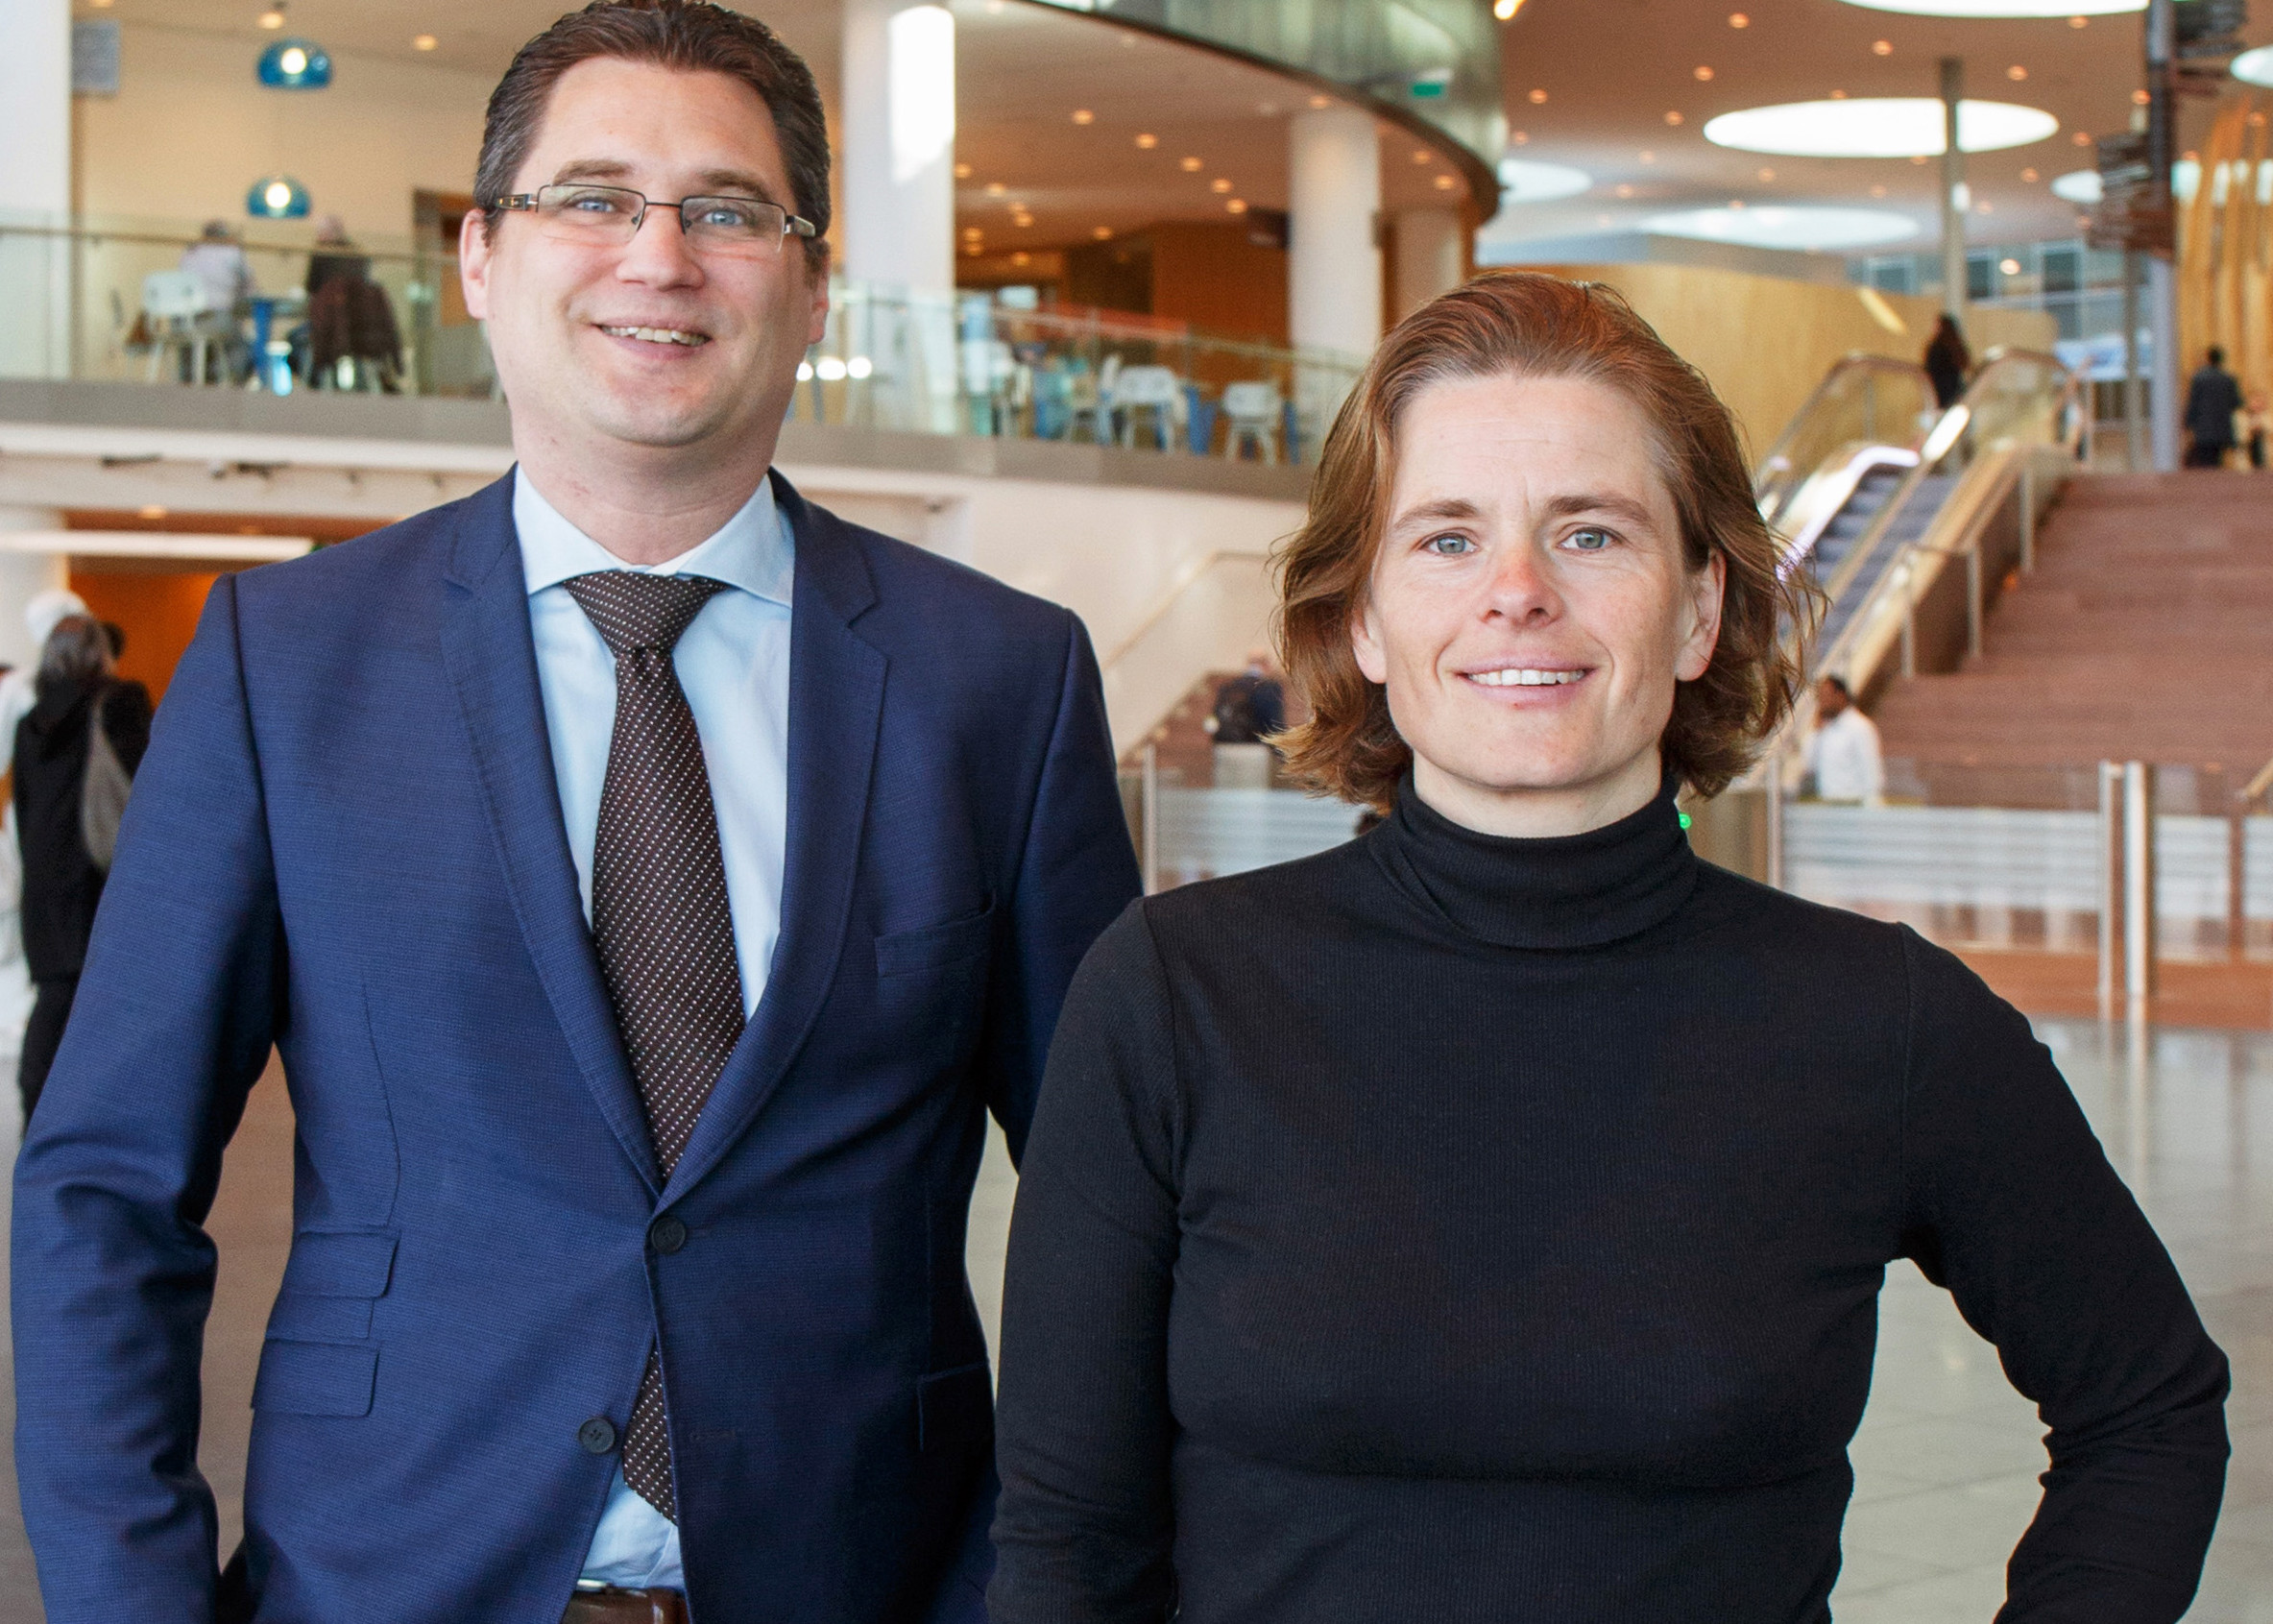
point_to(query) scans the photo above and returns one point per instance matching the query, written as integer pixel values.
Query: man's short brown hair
(688, 36)
(1532, 324)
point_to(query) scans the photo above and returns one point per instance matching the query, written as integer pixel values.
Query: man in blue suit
(649, 881)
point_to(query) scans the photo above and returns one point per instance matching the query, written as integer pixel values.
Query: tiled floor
(1946, 1460)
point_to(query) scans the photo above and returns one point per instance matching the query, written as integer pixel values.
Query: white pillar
(1427, 258)
(1957, 197)
(22, 576)
(34, 183)
(1333, 275)
(898, 139)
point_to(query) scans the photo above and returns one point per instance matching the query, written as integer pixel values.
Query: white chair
(177, 307)
(1089, 403)
(1157, 390)
(1251, 414)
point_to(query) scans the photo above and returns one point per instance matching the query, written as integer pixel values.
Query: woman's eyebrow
(1605, 502)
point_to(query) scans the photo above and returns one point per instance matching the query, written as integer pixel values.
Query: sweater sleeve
(2011, 1205)
(1084, 1529)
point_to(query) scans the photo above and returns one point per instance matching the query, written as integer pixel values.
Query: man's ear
(817, 268)
(474, 263)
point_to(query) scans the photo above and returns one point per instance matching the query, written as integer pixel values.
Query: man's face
(1828, 700)
(645, 343)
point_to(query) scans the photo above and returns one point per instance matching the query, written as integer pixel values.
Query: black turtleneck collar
(1566, 892)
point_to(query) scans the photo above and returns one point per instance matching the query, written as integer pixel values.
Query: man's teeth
(657, 335)
(1524, 676)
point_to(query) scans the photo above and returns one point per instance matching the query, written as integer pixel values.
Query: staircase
(2146, 633)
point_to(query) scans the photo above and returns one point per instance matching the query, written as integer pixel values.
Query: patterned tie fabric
(658, 912)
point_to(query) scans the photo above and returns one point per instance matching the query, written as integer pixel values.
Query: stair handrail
(1776, 467)
(2258, 785)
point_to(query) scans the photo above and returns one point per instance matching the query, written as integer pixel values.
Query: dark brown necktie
(658, 912)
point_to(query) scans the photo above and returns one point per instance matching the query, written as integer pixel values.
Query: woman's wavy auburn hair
(1533, 325)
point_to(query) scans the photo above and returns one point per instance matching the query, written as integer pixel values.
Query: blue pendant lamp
(295, 64)
(276, 197)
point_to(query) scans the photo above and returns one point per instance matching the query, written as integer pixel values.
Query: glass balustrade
(142, 301)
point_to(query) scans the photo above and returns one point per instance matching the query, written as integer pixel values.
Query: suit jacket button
(597, 1436)
(666, 1234)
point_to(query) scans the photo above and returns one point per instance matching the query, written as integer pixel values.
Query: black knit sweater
(1455, 1228)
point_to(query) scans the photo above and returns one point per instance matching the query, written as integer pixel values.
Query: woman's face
(1530, 610)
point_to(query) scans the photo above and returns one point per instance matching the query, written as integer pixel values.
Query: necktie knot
(633, 611)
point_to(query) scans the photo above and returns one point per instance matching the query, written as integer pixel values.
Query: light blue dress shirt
(733, 664)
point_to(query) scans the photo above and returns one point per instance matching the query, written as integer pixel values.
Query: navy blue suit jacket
(345, 842)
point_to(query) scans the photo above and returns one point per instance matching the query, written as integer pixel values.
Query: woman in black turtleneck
(1485, 1221)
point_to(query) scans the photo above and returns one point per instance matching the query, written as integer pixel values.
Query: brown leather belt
(625, 1607)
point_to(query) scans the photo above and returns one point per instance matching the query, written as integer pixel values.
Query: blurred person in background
(334, 256)
(1947, 361)
(18, 693)
(1249, 707)
(2212, 397)
(217, 259)
(1843, 752)
(64, 773)
(2254, 422)
(1486, 1219)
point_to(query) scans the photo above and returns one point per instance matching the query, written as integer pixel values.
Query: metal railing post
(1149, 803)
(2027, 517)
(2138, 888)
(1973, 601)
(2111, 860)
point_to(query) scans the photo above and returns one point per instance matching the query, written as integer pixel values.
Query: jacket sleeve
(112, 1270)
(1077, 869)
(2013, 1207)
(1084, 1530)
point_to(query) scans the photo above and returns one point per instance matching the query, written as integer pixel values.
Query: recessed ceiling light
(962, 172)
(1703, 74)
(1321, 100)
(1877, 127)
(1420, 154)
(2029, 177)
(1878, 191)
(423, 43)
(2254, 68)
(1103, 233)
(1518, 138)
(1445, 182)
(2082, 137)
(1218, 185)
(2140, 98)
(2079, 22)
(1819, 230)
(2003, 7)
(1767, 176)
(1624, 191)
(1506, 9)
(1524, 182)
(974, 231)
(1538, 97)
(1737, 19)
(1673, 117)
(2008, 267)
(2015, 73)
(996, 188)
(1882, 47)
(1237, 206)
(1083, 115)
(1190, 165)
(1147, 143)
(1838, 95)
(152, 512)
(273, 18)
(1022, 258)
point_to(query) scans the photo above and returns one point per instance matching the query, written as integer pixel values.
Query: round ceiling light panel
(1877, 127)
(2078, 185)
(2254, 68)
(1799, 226)
(1522, 180)
(2003, 7)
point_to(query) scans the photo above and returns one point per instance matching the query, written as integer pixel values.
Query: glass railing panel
(1864, 401)
(89, 299)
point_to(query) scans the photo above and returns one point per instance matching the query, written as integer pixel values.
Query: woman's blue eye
(1590, 541)
(1449, 545)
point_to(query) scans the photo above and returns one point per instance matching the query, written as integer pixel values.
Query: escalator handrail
(1868, 542)
(1776, 462)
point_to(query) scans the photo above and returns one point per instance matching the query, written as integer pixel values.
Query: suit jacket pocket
(905, 952)
(315, 1378)
(954, 1408)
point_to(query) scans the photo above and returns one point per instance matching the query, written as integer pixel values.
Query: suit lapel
(492, 659)
(837, 683)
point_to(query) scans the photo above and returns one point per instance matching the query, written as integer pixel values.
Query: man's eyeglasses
(609, 217)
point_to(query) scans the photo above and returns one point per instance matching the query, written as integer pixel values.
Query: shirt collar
(752, 550)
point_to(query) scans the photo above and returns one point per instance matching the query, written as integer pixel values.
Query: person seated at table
(1485, 1219)
(217, 260)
